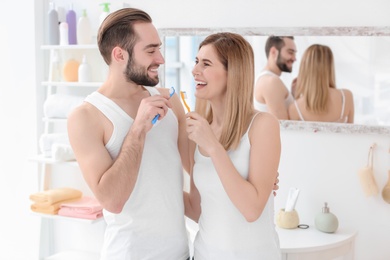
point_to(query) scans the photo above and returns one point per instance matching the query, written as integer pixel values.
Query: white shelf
(72, 84)
(74, 255)
(54, 120)
(59, 217)
(69, 47)
(48, 160)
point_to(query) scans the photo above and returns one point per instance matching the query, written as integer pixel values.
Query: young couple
(135, 168)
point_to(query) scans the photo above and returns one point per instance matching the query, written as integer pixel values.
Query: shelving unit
(45, 125)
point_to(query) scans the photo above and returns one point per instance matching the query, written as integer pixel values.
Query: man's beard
(281, 63)
(139, 75)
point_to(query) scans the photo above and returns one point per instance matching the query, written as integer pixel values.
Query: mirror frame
(297, 31)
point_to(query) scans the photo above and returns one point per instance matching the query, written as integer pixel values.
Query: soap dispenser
(105, 12)
(326, 221)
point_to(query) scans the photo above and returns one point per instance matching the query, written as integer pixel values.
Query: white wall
(19, 230)
(17, 103)
(325, 168)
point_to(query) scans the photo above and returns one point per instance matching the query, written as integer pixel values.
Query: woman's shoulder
(347, 92)
(264, 119)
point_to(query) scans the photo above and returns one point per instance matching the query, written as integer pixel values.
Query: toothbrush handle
(155, 119)
(158, 115)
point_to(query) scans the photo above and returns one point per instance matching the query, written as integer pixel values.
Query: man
(270, 92)
(134, 167)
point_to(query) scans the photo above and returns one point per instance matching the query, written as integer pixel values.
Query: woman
(235, 152)
(317, 98)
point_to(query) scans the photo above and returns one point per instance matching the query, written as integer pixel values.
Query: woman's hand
(200, 132)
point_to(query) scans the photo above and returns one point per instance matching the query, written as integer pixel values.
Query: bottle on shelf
(84, 71)
(105, 12)
(55, 67)
(326, 221)
(64, 37)
(52, 27)
(72, 25)
(84, 35)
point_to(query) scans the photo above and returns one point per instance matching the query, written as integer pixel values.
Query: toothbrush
(183, 96)
(171, 92)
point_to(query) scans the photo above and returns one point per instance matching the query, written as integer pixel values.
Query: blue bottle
(72, 25)
(53, 33)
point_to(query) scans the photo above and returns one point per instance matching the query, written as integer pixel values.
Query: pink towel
(85, 207)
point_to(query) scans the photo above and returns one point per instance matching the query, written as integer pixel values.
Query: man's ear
(118, 54)
(273, 51)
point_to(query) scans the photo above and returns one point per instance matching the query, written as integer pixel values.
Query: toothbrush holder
(287, 219)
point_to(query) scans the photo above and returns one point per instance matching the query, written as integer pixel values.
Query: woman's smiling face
(209, 73)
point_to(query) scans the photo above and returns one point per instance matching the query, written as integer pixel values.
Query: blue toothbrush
(171, 92)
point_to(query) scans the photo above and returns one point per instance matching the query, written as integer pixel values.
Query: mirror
(362, 61)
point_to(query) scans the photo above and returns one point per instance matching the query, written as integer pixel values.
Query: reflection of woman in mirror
(317, 98)
(235, 152)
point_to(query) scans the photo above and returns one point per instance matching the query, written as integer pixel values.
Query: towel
(48, 209)
(59, 105)
(85, 207)
(46, 142)
(52, 196)
(62, 152)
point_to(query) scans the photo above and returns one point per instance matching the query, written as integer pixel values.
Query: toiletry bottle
(64, 38)
(326, 221)
(55, 68)
(84, 35)
(105, 12)
(84, 71)
(52, 27)
(70, 70)
(71, 20)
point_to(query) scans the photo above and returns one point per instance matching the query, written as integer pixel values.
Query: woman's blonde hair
(236, 55)
(316, 75)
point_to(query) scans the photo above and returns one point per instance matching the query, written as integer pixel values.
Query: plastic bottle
(64, 40)
(105, 12)
(53, 29)
(72, 24)
(55, 68)
(84, 71)
(84, 31)
(326, 221)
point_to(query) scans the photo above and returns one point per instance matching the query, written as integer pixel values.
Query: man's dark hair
(275, 41)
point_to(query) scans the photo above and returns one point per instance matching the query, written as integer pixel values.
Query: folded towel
(62, 152)
(59, 105)
(46, 142)
(84, 205)
(49, 197)
(48, 209)
(69, 212)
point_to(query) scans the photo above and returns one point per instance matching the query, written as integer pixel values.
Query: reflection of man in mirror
(270, 93)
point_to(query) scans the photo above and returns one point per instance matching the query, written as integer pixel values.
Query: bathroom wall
(17, 109)
(324, 166)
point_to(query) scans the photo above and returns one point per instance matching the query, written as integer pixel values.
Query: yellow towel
(49, 197)
(50, 209)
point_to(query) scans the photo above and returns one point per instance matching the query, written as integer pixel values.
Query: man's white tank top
(224, 233)
(263, 107)
(151, 225)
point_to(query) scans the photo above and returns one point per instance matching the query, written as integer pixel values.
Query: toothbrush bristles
(183, 96)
